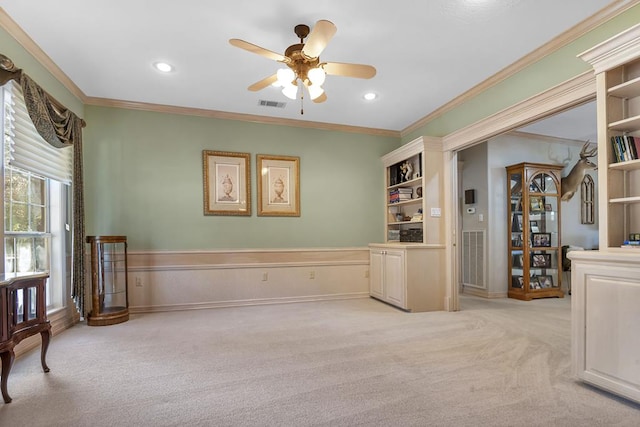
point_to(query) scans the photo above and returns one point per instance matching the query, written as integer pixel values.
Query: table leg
(46, 335)
(7, 361)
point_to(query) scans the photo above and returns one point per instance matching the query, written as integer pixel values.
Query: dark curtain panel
(60, 127)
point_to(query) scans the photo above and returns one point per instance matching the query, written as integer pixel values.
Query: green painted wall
(546, 73)
(143, 179)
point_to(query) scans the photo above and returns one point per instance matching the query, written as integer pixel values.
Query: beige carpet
(338, 363)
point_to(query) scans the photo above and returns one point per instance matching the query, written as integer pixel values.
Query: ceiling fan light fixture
(290, 91)
(315, 91)
(317, 76)
(286, 76)
(370, 96)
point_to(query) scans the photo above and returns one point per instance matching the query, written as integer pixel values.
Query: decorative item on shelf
(536, 203)
(400, 194)
(417, 216)
(541, 239)
(413, 235)
(393, 235)
(399, 217)
(407, 171)
(419, 192)
(540, 260)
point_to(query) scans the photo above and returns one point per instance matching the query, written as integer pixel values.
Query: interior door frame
(571, 93)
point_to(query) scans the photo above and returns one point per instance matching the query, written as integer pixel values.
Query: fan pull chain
(302, 103)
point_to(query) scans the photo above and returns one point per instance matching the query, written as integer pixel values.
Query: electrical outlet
(366, 274)
(312, 274)
(138, 282)
(265, 276)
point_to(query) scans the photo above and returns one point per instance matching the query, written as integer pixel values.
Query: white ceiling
(425, 52)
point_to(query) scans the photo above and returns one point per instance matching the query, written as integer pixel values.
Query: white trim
(615, 51)
(575, 91)
(246, 303)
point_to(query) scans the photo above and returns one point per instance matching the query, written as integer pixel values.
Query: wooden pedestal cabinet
(109, 299)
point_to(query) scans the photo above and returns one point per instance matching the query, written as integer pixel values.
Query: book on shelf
(625, 147)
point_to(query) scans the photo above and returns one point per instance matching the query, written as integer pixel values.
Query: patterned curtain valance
(60, 127)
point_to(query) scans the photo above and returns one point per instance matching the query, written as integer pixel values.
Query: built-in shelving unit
(606, 283)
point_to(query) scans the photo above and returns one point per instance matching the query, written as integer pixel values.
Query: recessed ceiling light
(370, 96)
(163, 66)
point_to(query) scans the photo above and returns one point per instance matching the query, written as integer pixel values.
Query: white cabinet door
(394, 278)
(376, 272)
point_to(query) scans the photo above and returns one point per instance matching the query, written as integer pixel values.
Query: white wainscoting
(168, 281)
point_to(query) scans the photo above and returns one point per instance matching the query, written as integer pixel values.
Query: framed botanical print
(278, 185)
(227, 187)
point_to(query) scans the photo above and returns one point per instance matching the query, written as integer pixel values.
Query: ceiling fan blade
(258, 50)
(318, 39)
(263, 83)
(349, 70)
(321, 98)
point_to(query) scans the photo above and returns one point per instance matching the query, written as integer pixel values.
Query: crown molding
(573, 92)
(615, 51)
(213, 114)
(570, 35)
(14, 30)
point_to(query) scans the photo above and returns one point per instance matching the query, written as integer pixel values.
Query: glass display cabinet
(109, 298)
(533, 221)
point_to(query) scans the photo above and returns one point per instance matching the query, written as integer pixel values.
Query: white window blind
(26, 148)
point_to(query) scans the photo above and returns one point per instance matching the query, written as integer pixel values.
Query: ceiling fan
(303, 60)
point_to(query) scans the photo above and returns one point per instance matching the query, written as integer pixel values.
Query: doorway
(481, 202)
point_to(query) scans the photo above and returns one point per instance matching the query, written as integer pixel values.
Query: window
(35, 205)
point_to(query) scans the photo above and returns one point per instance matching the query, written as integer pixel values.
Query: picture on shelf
(541, 239)
(534, 226)
(547, 207)
(517, 282)
(516, 224)
(536, 204)
(516, 204)
(545, 281)
(517, 261)
(534, 283)
(540, 260)
(516, 241)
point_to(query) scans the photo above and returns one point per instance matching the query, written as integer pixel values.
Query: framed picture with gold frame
(278, 185)
(227, 187)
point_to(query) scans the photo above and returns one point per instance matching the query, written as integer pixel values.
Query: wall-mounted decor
(587, 202)
(227, 187)
(278, 185)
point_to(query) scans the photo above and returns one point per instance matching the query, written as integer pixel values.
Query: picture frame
(545, 281)
(540, 260)
(533, 227)
(516, 222)
(534, 283)
(278, 180)
(536, 204)
(517, 261)
(517, 282)
(227, 184)
(547, 207)
(541, 239)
